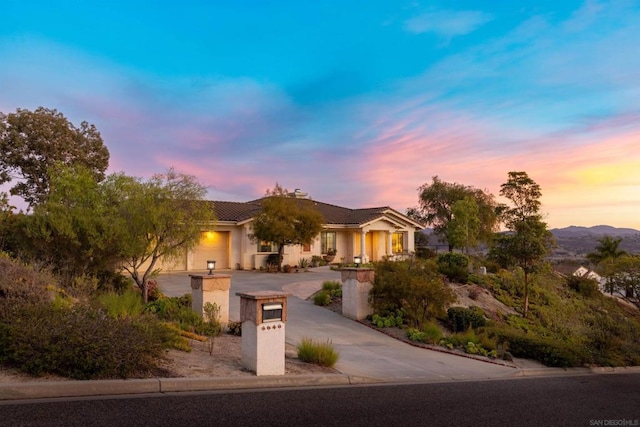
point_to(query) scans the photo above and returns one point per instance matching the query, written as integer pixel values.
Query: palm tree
(607, 249)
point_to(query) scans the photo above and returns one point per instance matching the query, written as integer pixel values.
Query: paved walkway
(364, 352)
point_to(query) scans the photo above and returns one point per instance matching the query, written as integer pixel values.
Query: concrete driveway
(364, 352)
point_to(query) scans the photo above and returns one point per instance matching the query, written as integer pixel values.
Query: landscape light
(357, 260)
(211, 265)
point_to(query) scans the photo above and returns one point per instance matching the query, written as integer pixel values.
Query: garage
(213, 245)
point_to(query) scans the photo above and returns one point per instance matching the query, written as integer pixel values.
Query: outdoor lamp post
(357, 260)
(211, 265)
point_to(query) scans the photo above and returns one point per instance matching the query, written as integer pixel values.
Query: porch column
(363, 246)
(390, 244)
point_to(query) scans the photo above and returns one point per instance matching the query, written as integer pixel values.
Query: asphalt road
(604, 400)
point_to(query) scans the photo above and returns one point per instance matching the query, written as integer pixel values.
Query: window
(306, 247)
(397, 243)
(265, 246)
(328, 241)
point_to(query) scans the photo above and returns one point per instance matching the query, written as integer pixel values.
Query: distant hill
(598, 230)
(576, 241)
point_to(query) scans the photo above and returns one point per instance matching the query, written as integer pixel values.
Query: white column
(363, 246)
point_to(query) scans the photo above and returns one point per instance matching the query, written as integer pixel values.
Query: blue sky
(356, 103)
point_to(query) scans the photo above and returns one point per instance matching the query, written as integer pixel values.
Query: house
(373, 233)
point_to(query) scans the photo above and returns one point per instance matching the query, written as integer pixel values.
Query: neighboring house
(374, 233)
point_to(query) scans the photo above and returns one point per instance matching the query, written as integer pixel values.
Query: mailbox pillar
(356, 285)
(263, 315)
(213, 289)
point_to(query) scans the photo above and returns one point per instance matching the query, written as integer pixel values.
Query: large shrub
(80, 342)
(462, 318)
(455, 266)
(413, 286)
(583, 285)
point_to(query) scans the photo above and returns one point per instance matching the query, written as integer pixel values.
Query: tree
(73, 229)
(32, 142)
(529, 241)
(435, 208)
(413, 286)
(622, 274)
(464, 226)
(160, 218)
(286, 220)
(607, 249)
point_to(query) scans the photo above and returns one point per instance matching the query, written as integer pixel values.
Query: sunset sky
(357, 103)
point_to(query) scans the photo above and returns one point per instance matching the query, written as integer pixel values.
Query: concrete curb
(61, 389)
(52, 389)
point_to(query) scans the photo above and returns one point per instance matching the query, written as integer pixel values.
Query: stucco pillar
(390, 243)
(363, 246)
(356, 285)
(213, 289)
(263, 315)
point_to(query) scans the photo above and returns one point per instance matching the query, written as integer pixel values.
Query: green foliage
(462, 318)
(322, 354)
(234, 328)
(317, 261)
(322, 298)
(286, 220)
(80, 342)
(437, 207)
(583, 285)
(607, 249)
(430, 333)
(304, 263)
(158, 218)
(175, 309)
(455, 266)
(529, 241)
(392, 320)
(121, 305)
(32, 142)
(549, 351)
(334, 288)
(412, 286)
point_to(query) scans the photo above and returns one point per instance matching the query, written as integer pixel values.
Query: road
(587, 400)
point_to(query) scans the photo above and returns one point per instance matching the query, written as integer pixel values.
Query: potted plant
(330, 255)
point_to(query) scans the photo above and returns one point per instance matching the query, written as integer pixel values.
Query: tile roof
(242, 211)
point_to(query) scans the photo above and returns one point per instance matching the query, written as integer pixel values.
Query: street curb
(168, 385)
(62, 389)
(48, 389)
(54, 389)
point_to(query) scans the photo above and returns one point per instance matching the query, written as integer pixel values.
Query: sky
(357, 103)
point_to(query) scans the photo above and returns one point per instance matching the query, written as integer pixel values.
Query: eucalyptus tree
(528, 241)
(436, 208)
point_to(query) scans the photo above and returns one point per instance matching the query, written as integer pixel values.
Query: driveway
(364, 352)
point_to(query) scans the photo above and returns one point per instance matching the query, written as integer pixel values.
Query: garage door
(176, 264)
(213, 245)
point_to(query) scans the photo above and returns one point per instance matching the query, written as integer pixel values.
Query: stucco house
(373, 233)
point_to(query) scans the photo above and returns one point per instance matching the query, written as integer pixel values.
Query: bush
(548, 351)
(118, 305)
(412, 286)
(432, 333)
(455, 266)
(390, 321)
(322, 354)
(334, 288)
(234, 328)
(583, 285)
(81, 342)
(462, 318)
(322, 298)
